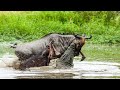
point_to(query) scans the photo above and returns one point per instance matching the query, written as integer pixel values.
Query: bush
(31, 25)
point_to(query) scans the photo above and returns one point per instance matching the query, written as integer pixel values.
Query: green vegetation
(31, 25)
(5, 49)
(98, 52)
(101, 52)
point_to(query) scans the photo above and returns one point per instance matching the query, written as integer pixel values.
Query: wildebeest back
(61, 42)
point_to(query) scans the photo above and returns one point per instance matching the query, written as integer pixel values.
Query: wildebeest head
(79, 42)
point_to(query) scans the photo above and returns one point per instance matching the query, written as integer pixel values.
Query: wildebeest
(60, 44)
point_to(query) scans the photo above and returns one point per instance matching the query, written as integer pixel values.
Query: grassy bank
(104, 53)
(31, 25)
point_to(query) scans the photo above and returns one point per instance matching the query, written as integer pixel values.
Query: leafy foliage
(31, 25)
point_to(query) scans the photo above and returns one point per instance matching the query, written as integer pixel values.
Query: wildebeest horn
(88, 37)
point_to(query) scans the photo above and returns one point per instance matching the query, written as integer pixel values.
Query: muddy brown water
(81, 70)
(91, 68)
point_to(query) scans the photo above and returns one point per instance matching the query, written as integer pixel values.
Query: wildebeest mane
(60, 34)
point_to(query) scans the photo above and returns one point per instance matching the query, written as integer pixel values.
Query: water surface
(102, 61)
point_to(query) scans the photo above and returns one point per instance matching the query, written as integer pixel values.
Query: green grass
(98, 52)
(31, 25)
(5, 49)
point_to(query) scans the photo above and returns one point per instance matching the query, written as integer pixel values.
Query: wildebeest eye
(78, 45)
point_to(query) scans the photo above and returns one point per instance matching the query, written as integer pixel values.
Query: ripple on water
(81, 70)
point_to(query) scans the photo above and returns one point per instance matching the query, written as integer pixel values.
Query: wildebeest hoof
(83, 58)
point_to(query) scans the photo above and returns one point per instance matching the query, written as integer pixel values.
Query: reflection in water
(48, 76)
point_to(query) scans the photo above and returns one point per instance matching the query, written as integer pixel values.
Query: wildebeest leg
(51, 52)
(26, 64)
(22, 56)
(83, 56)
(46, 54)
(56, 48)
(34, 61)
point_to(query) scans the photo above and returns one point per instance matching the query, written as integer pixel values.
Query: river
(102, 62)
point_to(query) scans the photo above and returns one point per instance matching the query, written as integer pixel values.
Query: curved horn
(88, 37)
